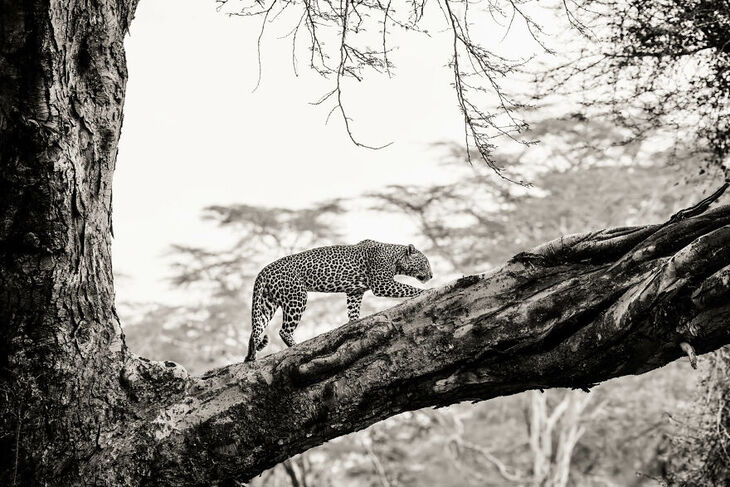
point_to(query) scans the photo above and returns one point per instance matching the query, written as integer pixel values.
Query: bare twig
(350, 18)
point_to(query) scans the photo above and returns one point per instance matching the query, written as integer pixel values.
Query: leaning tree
(79, 408)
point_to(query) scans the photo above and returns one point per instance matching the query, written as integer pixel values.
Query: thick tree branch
(571, 313)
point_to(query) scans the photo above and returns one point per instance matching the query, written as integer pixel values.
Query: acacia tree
(653, 65)
(79, 408)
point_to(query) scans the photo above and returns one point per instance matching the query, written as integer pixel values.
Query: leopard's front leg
(394, 289)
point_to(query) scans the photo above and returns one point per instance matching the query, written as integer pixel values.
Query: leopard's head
(413, 263)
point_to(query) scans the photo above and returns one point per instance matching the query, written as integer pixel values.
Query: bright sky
(195, 134)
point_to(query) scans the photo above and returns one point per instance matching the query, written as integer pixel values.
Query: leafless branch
(353, 19)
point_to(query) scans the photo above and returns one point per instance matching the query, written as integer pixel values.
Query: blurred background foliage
(666, 427)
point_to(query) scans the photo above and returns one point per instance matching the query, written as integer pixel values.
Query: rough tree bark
(78, 408)
(62, 82)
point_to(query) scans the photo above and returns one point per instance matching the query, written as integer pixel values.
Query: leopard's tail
(258, 320)
(258, 311)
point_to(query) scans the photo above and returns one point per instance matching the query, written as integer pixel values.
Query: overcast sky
(195, 134)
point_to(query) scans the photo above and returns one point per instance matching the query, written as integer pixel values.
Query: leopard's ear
(411, 249)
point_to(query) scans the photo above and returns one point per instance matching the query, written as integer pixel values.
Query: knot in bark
(143, 377)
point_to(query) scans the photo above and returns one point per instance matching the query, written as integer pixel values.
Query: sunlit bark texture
(78, 408)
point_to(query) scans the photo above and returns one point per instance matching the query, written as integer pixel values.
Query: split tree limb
(571, 313)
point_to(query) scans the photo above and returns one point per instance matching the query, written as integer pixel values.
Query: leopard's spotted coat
(349, 269)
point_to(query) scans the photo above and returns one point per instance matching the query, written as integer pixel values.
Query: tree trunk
(78, 408)
(62, 81)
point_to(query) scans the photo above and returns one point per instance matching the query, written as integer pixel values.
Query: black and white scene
(365, 243)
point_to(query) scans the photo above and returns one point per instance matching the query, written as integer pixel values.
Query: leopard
(351, 269)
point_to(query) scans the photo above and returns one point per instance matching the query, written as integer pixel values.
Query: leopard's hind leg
(293, 307)
(268, 310)
(263, 308)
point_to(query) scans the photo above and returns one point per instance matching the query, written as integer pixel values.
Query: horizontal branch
(571, 313)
